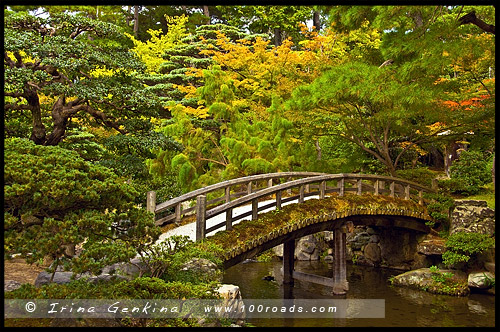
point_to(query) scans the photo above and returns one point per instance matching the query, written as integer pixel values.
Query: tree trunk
(316, 21)
(38, 133)
(60, 123)
(136, 21)
(277, 37)
(206, 13)
(127, 18)
(318, 149)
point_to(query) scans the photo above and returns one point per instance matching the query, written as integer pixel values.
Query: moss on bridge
(248, 233)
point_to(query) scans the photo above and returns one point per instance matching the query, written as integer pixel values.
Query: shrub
(54, 199)
(138, 288)
(421, 175)
(468, 173)
(462, 246)
(439, 208)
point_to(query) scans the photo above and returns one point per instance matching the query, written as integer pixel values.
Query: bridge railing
(228, 190)
(311, 184)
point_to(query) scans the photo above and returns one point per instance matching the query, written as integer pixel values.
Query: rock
(359, 240)
(470, 202)
(105, 277)
(374, 239)
(472, 216)
(232, 298)
(328, 258)
(480, 280)
(306, 248)
(59, 278)
(10, 285)
(431, 245)
(423, 279)
(132, 269)
(129, 270)
(278, 250)
(372, 252)
(199, 264)
(202, 266)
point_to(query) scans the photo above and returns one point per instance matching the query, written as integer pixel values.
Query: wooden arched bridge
(345, 200)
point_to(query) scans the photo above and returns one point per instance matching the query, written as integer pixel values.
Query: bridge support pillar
(340, 284)
(288, 261)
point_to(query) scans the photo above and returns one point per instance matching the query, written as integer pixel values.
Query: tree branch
(471, 18)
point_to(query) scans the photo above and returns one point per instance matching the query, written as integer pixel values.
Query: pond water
(404, 307)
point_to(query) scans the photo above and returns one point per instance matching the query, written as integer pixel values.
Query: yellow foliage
(150, 52)
(102, 71)
(416, 148)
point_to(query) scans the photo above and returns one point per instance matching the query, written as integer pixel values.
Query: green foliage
(439, 207)
(444, 283)
(265, 19)
(55, 199)
(422, 175)
(373, 115)
(462, 246)
(84, 143)
(469, 173)
(67, 69)
(138, 288)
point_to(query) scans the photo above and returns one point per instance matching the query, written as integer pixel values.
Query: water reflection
(403, 306)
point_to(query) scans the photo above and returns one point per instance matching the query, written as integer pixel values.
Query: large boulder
(372, 252)
(232, 298)
(472, 216)
(425, 279)
(306, 249)
(431, 245)
(481, 280)
(204, 267)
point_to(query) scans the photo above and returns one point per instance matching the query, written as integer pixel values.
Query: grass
(488, 195)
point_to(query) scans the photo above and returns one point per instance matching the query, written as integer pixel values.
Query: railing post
(434, 184)
(301, 194)
(201, 210)
(360, 186)
(270, 182)
(376, 187)
(178, 210)
(255, 209)
(407, 192)
(420, 197)
(341, 187)
(322, 188)
(278, 200)
(229, 212)
(249, 188)
(307, 188)
(151, 201)
(391, 187)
